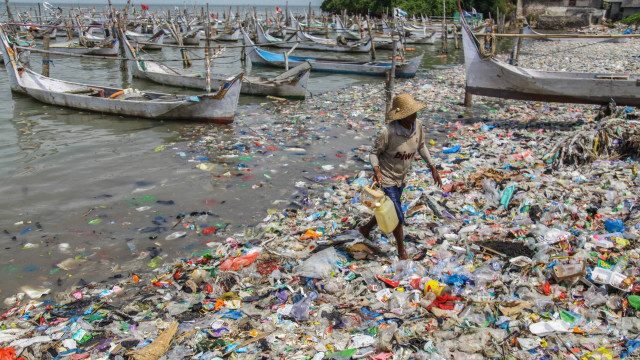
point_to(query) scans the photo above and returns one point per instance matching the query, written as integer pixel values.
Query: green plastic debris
(154, 262)
(634, 301)
(506, 196)
(348, 352)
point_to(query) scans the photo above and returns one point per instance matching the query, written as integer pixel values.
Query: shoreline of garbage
(529, 250)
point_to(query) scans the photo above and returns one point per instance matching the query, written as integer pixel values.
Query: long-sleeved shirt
(394, 150)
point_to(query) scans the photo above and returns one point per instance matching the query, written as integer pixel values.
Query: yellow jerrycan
(386, 215)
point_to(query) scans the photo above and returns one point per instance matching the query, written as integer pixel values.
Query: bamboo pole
(45, 56)
(455, 36)
(206, 52)
(373, 47)
(444, 27)
(286, 14)
(391, 75)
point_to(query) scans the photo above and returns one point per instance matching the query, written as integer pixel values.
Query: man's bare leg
(365, 229)
(398, 233)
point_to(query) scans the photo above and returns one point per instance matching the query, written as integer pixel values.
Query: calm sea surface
(106, 190)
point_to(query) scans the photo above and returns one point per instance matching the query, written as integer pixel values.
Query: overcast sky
(274, 3)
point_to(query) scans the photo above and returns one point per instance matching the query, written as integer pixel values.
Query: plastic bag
(319, 265)
(593, 297)
(451, 150)
(300, 310)
(506, 196)
(8, 354)
(614, 225)
(490, 191)
(237, 263)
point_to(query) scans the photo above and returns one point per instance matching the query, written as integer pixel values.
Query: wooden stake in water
(45, 56)
(391, 75)
(444, 27)
(373, 47)
(207, 62)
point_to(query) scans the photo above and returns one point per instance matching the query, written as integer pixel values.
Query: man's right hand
(377, 176)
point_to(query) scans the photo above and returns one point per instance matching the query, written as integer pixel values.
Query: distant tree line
(416, 7)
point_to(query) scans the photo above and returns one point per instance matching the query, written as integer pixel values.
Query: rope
(228, 46)
(106, 57)
(487, 51)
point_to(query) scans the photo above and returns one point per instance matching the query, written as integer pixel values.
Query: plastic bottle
(176, 235)
(540, 276)
(386, 215)
(621, 264)
(436, 287)
(385, 337)
(437, 270)
(372, 282)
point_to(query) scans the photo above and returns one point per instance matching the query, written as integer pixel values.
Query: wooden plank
(564, 36)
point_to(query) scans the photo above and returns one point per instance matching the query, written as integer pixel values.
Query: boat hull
(218, 107)
(74, 48)
(292, 84)
(489, 77)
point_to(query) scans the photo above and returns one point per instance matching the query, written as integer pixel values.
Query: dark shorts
(394, 193)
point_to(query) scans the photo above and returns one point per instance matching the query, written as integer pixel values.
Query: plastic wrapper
(319, 265)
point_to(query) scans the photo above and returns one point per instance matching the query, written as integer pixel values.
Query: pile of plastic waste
(515, 256)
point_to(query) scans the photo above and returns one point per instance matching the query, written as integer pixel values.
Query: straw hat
(402, 106)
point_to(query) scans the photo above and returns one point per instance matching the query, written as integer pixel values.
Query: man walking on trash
(391, 158)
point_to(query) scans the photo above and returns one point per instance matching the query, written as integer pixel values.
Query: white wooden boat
(109, 47)
(527, 30)
(350, 34)
(260, 56)
(490, 77)
(218, 107)
(307, 42)
(193, 37)
(145, 41)
(319, 43)
(424, 37)
(291, 84)
(233, 35)
(430, 39)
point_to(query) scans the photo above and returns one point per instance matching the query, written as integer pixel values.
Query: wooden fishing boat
(348, 33)
(406, 69)
(144, 41)
(527, 30)
(109, 47)
(490, 77)
(218, 107)
(413, 39)
(319, 43)
(50, 31)
(233, 35)
(291, 84)
(192, 37)
(307, 42)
